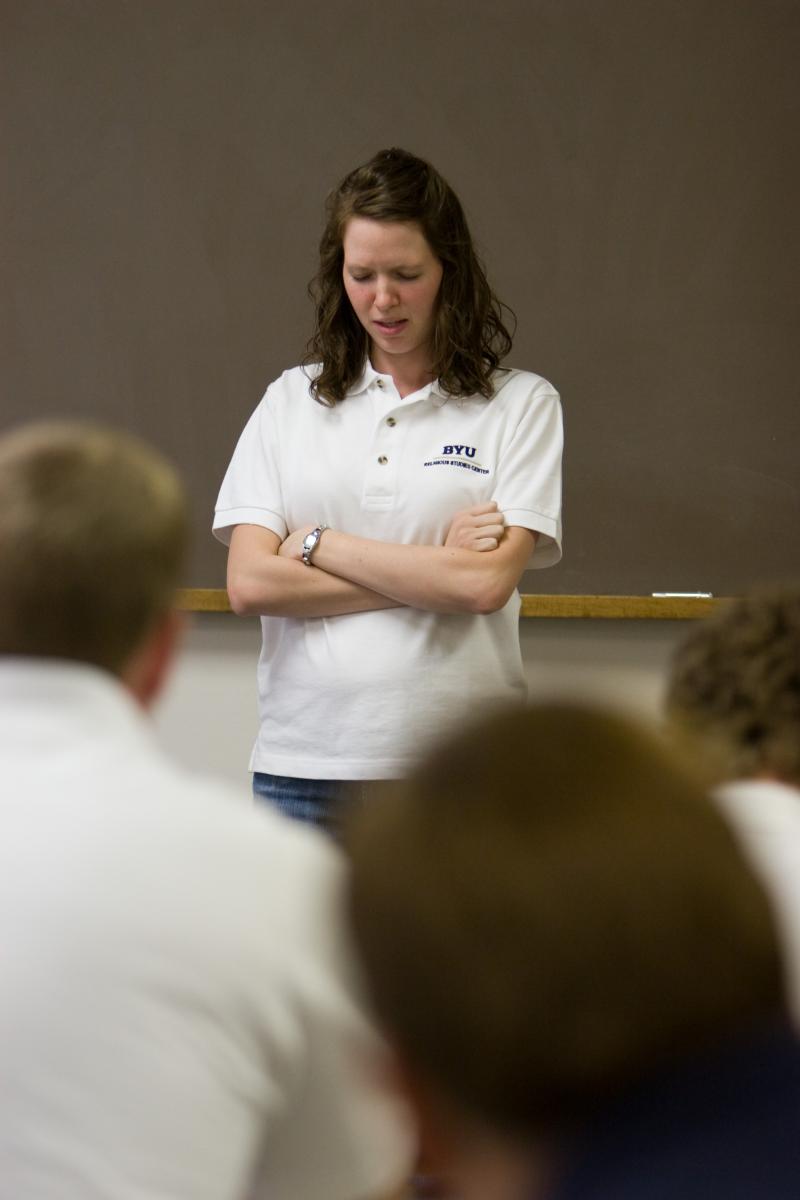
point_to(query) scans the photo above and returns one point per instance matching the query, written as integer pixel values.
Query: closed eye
(405, 276)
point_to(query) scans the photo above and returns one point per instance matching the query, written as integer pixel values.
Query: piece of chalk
(683, 595)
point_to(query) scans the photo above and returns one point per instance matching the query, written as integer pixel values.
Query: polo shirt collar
(62, 700)
(370, 376)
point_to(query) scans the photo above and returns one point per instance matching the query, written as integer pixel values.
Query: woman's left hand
(478, 528)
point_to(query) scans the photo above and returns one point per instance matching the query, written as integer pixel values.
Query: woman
(383, 502)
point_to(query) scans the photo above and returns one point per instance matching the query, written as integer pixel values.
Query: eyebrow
(355, 265)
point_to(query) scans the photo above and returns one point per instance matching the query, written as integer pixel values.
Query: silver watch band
(311, 541)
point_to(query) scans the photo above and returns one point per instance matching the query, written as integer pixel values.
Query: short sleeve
(528, 479)
(251, 492)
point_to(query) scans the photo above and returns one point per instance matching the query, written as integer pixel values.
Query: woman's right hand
(478, 528)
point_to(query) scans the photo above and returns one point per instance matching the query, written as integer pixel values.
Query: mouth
(391, 327)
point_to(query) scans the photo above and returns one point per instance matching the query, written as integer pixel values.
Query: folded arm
(475, 571)
(445, 579)
(260, 582)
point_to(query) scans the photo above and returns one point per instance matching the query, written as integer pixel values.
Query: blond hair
(93, 531)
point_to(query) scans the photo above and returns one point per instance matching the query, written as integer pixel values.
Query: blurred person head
(93, 533)
(733, 693)
(549, 912)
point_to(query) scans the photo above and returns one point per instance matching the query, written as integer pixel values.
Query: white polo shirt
(180, 1015)
(351, 697)
(765, 815)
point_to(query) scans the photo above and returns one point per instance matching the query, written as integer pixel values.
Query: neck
(409, 376)
(148, 667)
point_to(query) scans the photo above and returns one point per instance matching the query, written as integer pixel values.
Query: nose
(385, 295)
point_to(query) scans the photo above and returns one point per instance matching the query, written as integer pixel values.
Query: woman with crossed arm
(385, 498)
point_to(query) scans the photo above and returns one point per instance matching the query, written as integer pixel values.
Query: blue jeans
(314, 801)
(321, 802)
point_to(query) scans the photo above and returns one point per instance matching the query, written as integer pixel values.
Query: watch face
(310, 542)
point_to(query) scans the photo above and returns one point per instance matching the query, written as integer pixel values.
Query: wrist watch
(311, 541)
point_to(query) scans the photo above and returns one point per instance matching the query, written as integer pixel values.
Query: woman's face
(392, 280)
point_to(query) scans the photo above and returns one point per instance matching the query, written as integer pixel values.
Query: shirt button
(391, 421)
(380, 383)
(383, 460)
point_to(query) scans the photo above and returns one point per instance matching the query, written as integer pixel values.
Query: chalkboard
(629, 169)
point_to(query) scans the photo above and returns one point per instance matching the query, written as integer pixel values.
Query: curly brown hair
(734, 689)
(470, 338)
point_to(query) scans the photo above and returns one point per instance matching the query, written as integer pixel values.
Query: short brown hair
(93, 532)
(470, 338)
(550, 910)
(734, 687)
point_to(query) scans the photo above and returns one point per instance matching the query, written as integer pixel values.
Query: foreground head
(549, 912)
(93, 531)
(468, 338)
(734, 688)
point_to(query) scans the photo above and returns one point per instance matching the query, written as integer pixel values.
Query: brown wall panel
(629, 168)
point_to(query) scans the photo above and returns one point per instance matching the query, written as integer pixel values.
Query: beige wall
(208, 716)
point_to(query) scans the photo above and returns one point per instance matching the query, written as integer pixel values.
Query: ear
(468, 1157)
(438, 1140)
(148, 668)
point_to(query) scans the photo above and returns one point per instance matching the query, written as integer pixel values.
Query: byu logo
(469, 451)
